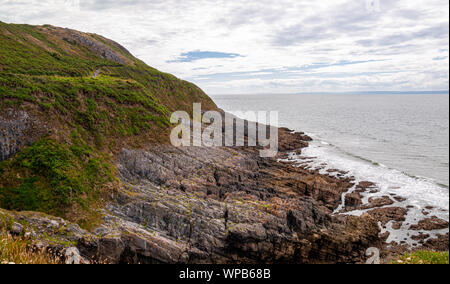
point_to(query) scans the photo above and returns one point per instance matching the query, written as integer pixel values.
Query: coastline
(228, 205)
(215, 205)
(379, 129)
(92, 155)
(406, 224)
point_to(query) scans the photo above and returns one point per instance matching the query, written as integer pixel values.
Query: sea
(398, 141)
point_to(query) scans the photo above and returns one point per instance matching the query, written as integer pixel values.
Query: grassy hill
(87, 97)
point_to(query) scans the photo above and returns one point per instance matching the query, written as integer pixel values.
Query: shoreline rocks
(223, 206)
(385, 215)
(217, 205)
(430, 224)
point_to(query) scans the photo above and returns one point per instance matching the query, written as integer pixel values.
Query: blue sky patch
(440, 58)
(198, 55)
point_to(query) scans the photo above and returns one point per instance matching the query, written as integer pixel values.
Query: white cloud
(279, 40)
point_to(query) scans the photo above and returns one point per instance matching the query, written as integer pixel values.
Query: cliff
(86, 163)
(75, 99)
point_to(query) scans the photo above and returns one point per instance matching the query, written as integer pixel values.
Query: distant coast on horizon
(346, 93)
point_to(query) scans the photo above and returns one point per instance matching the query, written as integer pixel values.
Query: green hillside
(90, 97)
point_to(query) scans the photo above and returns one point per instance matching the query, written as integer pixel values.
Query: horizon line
(342, 93)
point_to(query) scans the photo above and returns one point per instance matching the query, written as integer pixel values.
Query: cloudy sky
(262, 46)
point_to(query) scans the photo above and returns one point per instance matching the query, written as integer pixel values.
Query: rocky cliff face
(92, 151)
(215, 205)
(18, 130)
(222, 206)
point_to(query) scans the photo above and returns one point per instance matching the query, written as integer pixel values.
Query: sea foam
(419, 192)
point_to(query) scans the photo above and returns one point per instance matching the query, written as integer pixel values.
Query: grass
(104, 105)
(44, 66)
(19, 251)
(50, 177)
(37, 54)
(424, 257)
(45, 71)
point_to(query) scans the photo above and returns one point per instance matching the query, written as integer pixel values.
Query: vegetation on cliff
(85, 118)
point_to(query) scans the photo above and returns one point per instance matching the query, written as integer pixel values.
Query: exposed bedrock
(156, 225)
(17, 130)
(221, 172)
(216, 205)
(96, 46)
(222, 205)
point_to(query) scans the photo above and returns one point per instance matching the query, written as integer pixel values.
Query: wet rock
(384, 236)
(385, 215)
(365, 186)
(429, 224)
(399, 198)
(397, 225)
(375, 202)
(421, 237)
(439, 243)
(353, 200)
(291, 140)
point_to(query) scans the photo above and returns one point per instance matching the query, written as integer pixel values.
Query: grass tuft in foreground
(18, 251)
(424, 257)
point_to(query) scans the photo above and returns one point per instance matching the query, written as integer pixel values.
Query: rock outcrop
(96, 46)
(227, 205)
(215, 205)
(17, 130)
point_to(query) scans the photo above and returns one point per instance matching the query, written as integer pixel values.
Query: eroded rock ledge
(217, 205)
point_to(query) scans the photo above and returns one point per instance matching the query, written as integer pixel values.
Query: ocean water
(400, 142)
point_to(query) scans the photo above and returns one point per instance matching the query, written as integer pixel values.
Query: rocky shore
(405, 227)
(214, 205)
(225, 205)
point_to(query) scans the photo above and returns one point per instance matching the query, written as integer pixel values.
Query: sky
(262, 46)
